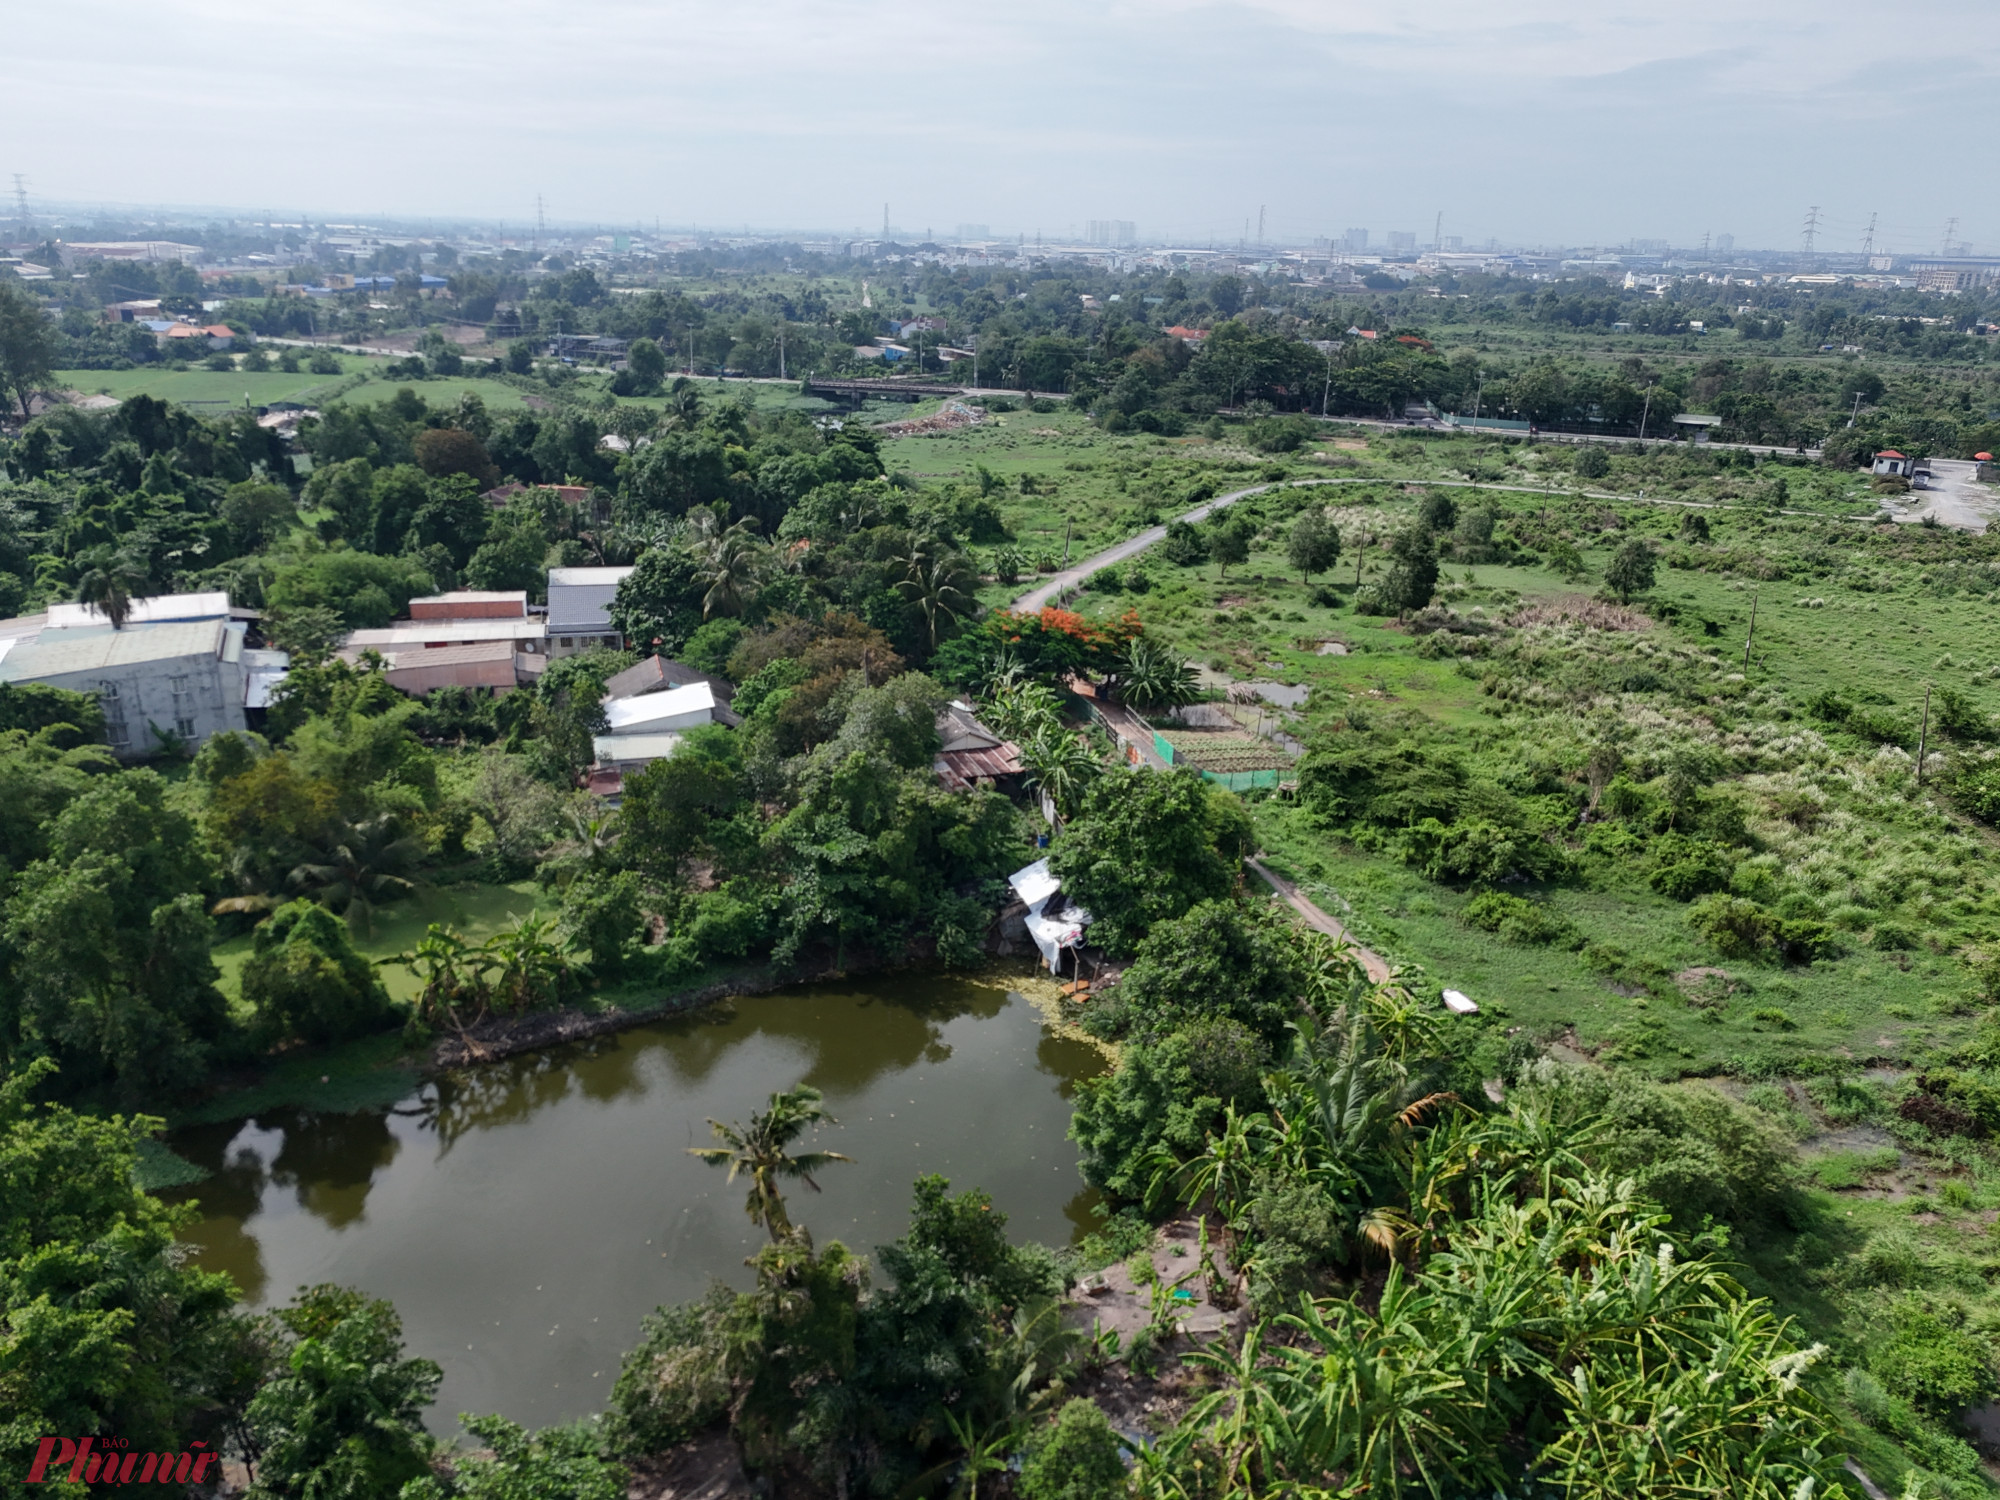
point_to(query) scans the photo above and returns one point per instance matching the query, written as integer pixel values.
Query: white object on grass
(1460, 1003)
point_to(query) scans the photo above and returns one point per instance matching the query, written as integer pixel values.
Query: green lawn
(478, 911)
(227, 387)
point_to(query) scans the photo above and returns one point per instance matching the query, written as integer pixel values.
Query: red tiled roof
(1888, 453)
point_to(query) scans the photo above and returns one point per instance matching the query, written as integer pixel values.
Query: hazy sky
(1586, 121)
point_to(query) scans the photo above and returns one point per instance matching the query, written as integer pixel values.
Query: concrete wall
(146, 692)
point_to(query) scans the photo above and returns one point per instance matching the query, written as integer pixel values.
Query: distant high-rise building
(974, 232)
(1111, 232)
(1650, 247)
(1355, 241)
(1402, 241)
(1725, 244)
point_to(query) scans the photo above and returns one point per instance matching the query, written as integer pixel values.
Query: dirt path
(1374, 964)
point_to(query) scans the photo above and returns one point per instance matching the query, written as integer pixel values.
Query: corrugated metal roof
(959, 769)
(445, 656)
(580, 577)
(657, 672)
(627, 715)
(632, 749)
(422, 632)
(157, 610)
(58, 653)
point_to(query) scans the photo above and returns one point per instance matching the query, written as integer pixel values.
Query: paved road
(1043, 594)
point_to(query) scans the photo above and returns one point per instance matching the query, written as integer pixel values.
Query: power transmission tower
(1260, 226)
(1811, 231)
(541, 223)
(1868, 239)
(1950, 229)
(21, 198)
(885, 221)
(1704, 244)
(1437, 233)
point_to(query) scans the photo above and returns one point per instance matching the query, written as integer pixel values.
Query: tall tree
(110, 581)
(27, 346)
(1314, 543)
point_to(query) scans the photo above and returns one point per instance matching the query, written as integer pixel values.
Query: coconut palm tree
(111, 581)
(731, 561)
(358, 866)
(933, 585)
(762, 1152)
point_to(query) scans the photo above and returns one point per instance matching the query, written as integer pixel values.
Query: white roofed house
(580, 609)
(647, 728)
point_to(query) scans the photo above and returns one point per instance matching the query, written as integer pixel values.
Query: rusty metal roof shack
(969, 752)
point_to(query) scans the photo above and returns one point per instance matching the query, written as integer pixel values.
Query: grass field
(1885, 1001)
(211, 389)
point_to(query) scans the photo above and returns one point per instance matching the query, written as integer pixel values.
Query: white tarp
(1035, 884)
(1051, 934)
(1460, 1003)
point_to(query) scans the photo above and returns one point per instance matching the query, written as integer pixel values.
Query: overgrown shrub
(305, 979)
(1517, 920)
(1932, 1362)
(1079, 1457)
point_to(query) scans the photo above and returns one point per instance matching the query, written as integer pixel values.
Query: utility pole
(781, 351)
(1923, 734)
(1644, 413)
(1855, 413)
(1478, 392)
(1260, 226)
(1868, 239)
(885, 221)
(1437, 233)
(1752, 637)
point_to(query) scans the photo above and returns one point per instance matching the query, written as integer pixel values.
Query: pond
(523, 1217)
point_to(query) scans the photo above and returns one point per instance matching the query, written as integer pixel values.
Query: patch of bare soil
(706, 1469)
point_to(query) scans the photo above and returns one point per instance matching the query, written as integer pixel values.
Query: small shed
(1895, 465)
(1695, 426)
(1055, 923)
(969, 752)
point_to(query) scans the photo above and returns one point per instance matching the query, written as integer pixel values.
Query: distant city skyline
(1547, 121)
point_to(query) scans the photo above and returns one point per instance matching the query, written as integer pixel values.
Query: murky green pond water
(524, 1216)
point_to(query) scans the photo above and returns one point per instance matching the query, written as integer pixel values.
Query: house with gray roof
(186, 679)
